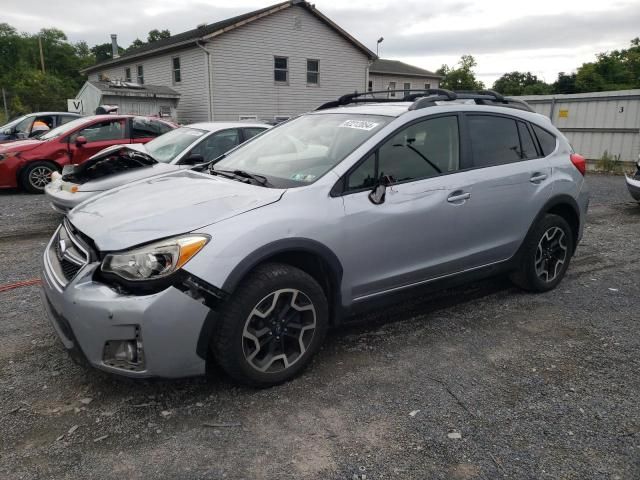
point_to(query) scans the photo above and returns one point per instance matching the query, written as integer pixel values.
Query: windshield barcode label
(359, 124)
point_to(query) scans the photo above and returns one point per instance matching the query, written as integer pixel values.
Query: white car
(121, 164)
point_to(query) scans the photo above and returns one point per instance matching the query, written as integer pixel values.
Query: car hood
(19, 146)
(165, 206)
(114, 180)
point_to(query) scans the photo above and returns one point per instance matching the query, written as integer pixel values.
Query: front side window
(281, 69)
(127, 74)
(216, 144)
(175, 64)
(392, 87)
(494, 140)
(425, 149)
(313, 72)
(102, 131)
(167, 147)
(140, 77)
(302, 150)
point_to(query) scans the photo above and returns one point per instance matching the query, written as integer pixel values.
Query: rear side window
(494, 140)
(146, 127)
(547, 141)
(528, 145)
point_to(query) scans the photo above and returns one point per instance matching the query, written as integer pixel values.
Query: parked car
(251, 259)
(121, 164)
(34, 124)
(30, 163)
(633, 183)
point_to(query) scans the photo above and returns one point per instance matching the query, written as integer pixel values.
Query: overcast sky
(541, 36)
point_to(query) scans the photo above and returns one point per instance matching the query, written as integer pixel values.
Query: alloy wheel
(39, 177)
(551, 254)
(279, 330)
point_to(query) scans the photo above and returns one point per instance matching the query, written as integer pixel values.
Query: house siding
(381, 82)
(193, 88)
(243, 63)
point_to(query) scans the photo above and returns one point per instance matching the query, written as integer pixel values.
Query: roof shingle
(391, 67)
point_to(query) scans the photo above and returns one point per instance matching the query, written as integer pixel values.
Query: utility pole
(41, 54)
(6, 111)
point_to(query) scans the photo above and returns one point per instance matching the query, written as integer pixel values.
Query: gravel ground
(479, 382)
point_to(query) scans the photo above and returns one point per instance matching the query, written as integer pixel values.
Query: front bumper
(633, 185)
(62, 200)
(88, 315)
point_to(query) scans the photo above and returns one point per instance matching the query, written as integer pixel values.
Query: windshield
(168, 146)
(63, 129)
(301, 151)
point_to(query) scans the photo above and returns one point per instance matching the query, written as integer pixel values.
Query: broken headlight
(155, 260)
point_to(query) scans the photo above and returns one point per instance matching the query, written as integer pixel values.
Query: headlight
(155, 260)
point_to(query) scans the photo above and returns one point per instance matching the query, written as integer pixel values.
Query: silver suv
(249, 260)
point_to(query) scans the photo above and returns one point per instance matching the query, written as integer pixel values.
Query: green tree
(460, 76)
(155, 35)
(519, 83)
(565, 83)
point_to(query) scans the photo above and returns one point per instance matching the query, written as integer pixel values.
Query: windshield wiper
(261, 179)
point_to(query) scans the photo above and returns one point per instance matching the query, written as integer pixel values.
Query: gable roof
(212, 30)
(395, 67)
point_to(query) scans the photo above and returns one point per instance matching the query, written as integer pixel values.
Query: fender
(293, 244)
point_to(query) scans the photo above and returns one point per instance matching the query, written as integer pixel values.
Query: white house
(267, 64)
(394, 75)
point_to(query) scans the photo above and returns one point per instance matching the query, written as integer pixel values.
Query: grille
(67, 254)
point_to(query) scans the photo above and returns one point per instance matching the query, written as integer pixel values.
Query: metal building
(595, 122)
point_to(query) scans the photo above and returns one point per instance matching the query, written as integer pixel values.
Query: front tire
(271, 326)
(36, 175)
(545, 256)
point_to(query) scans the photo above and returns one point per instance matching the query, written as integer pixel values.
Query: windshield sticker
(194, 133)
(359, 124)
(303, 177)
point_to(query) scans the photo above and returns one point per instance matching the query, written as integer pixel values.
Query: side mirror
(376, 196)
(193, 159)
(80, 141)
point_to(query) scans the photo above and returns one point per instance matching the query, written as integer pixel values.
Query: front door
(412, 235)
(98, 135)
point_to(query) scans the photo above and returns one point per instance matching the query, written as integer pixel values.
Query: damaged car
(246, 262)
(633, 182)
(122, 164)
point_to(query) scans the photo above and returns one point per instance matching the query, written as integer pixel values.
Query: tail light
(579, 162)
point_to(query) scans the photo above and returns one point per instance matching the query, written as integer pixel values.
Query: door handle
(458, 196)
(538, 177)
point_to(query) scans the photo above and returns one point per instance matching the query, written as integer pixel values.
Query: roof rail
(428, 98)
(364, 97)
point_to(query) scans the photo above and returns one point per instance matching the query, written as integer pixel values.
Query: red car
(29, 163)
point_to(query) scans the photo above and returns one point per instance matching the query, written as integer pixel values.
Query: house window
(247, 117)
(407, 89)
(140, 76)
(280, 119)
(281, 69)
(392, 87)
(127, 74)
(313, 72)
(370, 87)
(427, 86)
(175, 64)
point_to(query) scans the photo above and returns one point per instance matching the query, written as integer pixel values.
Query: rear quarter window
(547, 140)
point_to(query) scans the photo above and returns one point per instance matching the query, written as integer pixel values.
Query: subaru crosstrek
(249, 260)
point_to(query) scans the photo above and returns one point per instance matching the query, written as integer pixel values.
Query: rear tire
(36, 175)
(271, 326)
(545, 255)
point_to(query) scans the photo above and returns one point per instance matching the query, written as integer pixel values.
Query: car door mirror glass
(377, 195)
(193, 159)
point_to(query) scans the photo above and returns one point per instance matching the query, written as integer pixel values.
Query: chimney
(114, 46)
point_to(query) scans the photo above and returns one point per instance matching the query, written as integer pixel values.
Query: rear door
(507, 187)
(99, 135)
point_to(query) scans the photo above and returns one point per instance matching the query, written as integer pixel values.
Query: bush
(609, 163)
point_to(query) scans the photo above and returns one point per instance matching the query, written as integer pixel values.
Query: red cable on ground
(24, 283)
